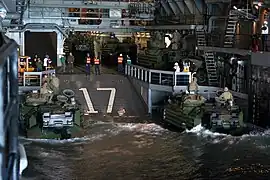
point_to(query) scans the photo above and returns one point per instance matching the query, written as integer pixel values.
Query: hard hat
(265, 22)
(176, 64)
(120, 54)
(226, 89)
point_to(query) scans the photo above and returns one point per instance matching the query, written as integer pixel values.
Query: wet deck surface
(125, 96)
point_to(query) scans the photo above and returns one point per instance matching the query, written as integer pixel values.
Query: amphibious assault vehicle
(186, 111)
(53, 116)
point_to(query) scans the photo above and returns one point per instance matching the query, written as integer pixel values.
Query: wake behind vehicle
(186, 111)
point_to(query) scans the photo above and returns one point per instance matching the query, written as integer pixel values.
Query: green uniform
(63, 62)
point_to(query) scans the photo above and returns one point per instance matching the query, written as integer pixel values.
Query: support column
(149, 101)
(19, 38)
(60, 47)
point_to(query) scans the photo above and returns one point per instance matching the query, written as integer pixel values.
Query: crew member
(264, 35)
(44, 91)
(176, 67)
(55, 83)
(120, 63)
(226, 95)
(45, 63)
(97, 66)
(186, 66)
(39, 65)
(128, 60)
(63, 63)
(70, 61)
(35, 61)
(88, 65)
(193, 86)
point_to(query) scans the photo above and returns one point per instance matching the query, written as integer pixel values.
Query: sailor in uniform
(176, 67)
(193, 87)
(264, 35)
(225, 97)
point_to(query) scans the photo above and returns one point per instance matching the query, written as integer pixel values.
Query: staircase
(211, 68)
(230, 31)
(200, 36)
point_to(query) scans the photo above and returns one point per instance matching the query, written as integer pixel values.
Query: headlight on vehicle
(46, 115)
(67, 114)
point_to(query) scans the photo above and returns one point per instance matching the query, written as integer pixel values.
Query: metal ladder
(229, 37)
(211, 68)
(200, 36)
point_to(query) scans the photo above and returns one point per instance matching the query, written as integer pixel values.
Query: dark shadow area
(41, 43)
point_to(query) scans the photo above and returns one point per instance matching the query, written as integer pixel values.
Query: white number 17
(89, 103)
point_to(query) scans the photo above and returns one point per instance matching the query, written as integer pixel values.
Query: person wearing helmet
(193, 86)
(88, 65)
(97, 65)
(128, 60)
(120, 63)
(264, 35)
(176, 67)
(226, 95)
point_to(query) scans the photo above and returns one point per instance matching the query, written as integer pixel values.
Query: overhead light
(234, 7)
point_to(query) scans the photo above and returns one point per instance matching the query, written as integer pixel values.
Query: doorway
(41, 43)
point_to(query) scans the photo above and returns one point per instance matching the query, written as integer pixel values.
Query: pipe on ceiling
(39, 25)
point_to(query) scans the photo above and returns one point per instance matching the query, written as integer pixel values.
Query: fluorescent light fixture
(234, 7)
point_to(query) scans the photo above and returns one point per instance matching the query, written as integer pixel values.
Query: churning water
(147, 151)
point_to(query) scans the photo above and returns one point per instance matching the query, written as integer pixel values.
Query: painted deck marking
(89, 103)
(111, 99)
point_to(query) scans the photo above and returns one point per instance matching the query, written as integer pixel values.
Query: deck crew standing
(63, 62)
(97, 65)
(88, 65)
(128, 60)
(39, 65)
(265, 32)
(120, 63)
(70, 61)
(35, 61)
(45, 63)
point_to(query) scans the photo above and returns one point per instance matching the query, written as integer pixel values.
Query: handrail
(177, 80)
(40, 74)
(158, 77)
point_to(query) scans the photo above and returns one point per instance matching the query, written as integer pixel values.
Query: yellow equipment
(25, 64)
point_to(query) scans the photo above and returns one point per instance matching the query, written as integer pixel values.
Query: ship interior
(222, 40)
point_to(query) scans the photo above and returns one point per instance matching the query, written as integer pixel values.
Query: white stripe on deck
(111, 99)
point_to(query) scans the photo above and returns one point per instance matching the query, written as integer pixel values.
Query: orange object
(96, 61)
(120, 60)
(88, 60)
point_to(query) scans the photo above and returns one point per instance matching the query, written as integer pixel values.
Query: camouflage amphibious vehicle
(50, 113)
(50, 116)
(186, 111)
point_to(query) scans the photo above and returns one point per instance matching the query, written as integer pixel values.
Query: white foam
(72, 140)
(142, 127)
(265, 133)
(199, 130)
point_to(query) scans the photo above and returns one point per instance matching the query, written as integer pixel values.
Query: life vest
(88, 60)
(96, 61)
(120, 60)
(186, 67)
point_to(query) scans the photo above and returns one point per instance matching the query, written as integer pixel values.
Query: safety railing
(177, 80)
(35, 78)
(158, 77)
